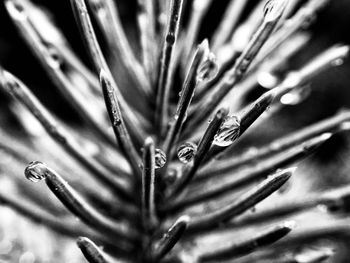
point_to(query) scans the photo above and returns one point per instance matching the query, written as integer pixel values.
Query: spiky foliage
(167, 187)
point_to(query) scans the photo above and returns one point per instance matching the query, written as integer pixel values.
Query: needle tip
(185, 219)
(15, 9)
(340, 52)
(205, 44)
(149, 141)
(290, 170)
(289, 224)
(103, 75)
(274, 9)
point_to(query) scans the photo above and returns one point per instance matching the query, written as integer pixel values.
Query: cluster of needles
(164, 179)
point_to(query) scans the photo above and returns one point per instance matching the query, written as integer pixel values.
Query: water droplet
(117, 121)
(228, 133)
(296, 96)
(274, 9)
(17, 9)
(186, 152)
(338, 62)
(55, 59)
(208, 69)
(160, 158)
(35, 171)
(267, 80)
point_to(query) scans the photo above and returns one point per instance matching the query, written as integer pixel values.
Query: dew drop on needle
(186, 152)
(35, 172)
(160, 158)
(228, 133)
(208, 69)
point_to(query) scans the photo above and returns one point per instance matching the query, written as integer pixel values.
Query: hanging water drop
(186, 152)
(160, 158)
(35, 171)
(208, 69)
(228, 133)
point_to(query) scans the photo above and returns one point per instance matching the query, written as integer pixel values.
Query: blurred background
(329, 167)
